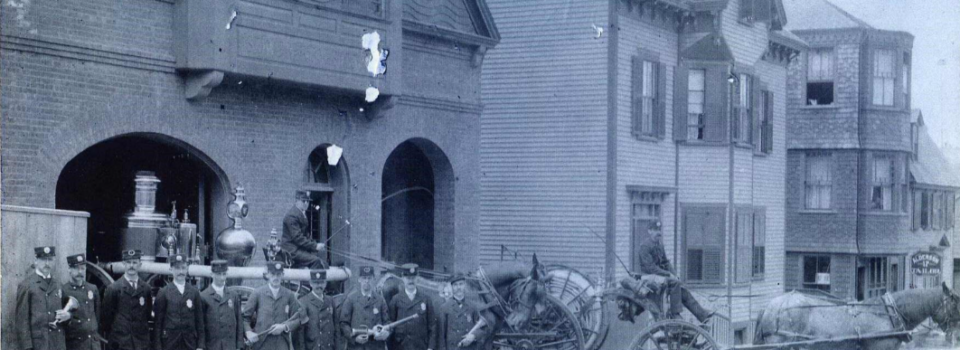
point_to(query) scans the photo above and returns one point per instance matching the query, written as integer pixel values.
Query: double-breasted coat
(360, 311)
(416, 334)
(126, 313)
(318, 325)
(83, 328)
(264, 310)
(223, 321)
(454, 320)
(38, 300)
(179, 322)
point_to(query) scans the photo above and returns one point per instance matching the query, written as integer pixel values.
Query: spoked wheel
(674, 335)
(580, 295)
(99, 277)
(555, 328)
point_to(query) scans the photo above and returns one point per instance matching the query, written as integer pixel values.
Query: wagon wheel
(555, 327)
(99, 277)
(674, 335)
(578, 293)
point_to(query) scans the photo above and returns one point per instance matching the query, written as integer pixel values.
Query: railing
(721, 331)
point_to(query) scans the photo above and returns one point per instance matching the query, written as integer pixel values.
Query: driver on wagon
(656, 269)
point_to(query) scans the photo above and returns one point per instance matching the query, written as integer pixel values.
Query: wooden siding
(747, 42)
(543, 133)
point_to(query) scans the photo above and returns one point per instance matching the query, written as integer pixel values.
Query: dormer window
(820, 79)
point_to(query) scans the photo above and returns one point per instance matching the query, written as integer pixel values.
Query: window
(750, 245)
(882, 198)
(905, 79)
(915, 138)
(647, 98)
(759, 245)
(703, 230)
(819, 181)
(765, 129)
(937, 210)
(743, 110)
(820, 77)
(646, 209)
(951, 214)
(925, 210)
(816, 273)
(696, 88)
(877, 276)
(756, 11)
(883, 77)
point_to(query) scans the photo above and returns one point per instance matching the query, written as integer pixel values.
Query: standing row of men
(72, 315)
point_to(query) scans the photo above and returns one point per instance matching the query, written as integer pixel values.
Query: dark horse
(520, 292)
(800, 317)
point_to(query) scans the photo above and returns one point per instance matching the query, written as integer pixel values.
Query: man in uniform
(274, 310)
(318, 326)
(416, 334)
(39, 318)
(296, 240)
(178, 312)
(126, 308)
(457, 320)
(656, 268)
(82, 330)
(221, 311)
(364, 309)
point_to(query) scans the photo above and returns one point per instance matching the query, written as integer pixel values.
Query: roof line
(848, 15)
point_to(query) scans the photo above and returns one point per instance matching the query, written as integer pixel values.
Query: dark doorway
(99, 180)
(328, 213)
(408, 207)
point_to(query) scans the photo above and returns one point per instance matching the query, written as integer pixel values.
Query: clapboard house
(603, 116)
(870, 197)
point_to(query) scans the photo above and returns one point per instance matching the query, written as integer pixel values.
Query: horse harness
(893, 312)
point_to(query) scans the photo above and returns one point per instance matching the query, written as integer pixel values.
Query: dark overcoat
(222, 319)
(318, 327)
(416, 334)
(38, 300)
(454, 320)
(83, 328)
(359, 311)
(264, 310)
(179, 319)
(126, 313)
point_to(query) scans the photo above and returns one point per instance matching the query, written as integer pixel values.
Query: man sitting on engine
(656, 270)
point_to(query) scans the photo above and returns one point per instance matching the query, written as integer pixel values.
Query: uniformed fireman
(178, 312)
(82, 330)
(416, 334)
(127, 304)
(363, 310)
(271, 313)
(40, 310)
(296, 240)
(221, 311)
(457, 320)
(318, 324)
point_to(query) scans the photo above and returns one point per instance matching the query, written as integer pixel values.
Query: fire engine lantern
(235, 244)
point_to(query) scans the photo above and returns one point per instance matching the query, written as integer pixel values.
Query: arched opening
(326, 179)
(99, 180)
(417, 211)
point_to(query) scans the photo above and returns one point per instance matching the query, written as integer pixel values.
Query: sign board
(823, 278)
(925, 264)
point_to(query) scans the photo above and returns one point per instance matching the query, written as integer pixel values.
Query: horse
(521, 290)
(800, 317)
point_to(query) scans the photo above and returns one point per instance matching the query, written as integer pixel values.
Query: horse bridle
(515, 297)
(943, 316)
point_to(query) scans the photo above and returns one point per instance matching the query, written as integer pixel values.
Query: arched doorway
(417, 210)
(99, 180)
(328, 182)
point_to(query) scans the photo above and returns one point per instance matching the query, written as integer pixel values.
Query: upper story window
(883, 184)
(743, 110)
(764, 132)
(696, 94)
(647, 110)
(820, 77)
(819, 180)
(884, 63)
(905, 79)
(915, 139)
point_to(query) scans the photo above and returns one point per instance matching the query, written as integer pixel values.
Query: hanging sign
(925, 264)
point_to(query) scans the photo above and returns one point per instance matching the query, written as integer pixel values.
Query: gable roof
(932, 166)
(466, 21)
(709, 48)
(819, 14)
(916, 117)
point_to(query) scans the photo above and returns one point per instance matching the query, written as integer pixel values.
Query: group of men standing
(73, 316)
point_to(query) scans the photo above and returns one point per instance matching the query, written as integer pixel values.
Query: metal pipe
(334, 274)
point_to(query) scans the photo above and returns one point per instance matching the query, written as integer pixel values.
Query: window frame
(764, 128)
(818, 263)
(743, 110)
(642, 196)
(700, 129)
(905, 73)
(718, 212)
(830, 78)
(890, 186)
(894, 72)
(826, 157)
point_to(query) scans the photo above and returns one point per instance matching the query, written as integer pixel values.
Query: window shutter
(660, 121)
(716, 114)
(755, 101)
(713, 265)
(636, 95)
(680, 103)
(763, 10)
(767, 124)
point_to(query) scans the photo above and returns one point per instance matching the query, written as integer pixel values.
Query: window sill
(703, 143)
(745, 145)
(647, 138)
(874, 212)
(873, 107)
(820, 107)
(818, 211)
(760, 153)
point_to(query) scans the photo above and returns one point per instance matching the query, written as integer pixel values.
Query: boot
(703, 315)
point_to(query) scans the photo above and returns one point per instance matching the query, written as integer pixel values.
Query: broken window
(883, 77)
(816, 273)
(820, 79)
(819, 180)
(696, 86)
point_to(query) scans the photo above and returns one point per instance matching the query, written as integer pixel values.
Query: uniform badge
(189, 303)
(142, 301)
(90, 294)
(230, 303)
(59, 293)
(423, 306)
(376, 311)
(286, 309)
(469, 319)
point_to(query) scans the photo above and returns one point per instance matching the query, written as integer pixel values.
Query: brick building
(214, 94)
(600, 117)
(865, 193)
